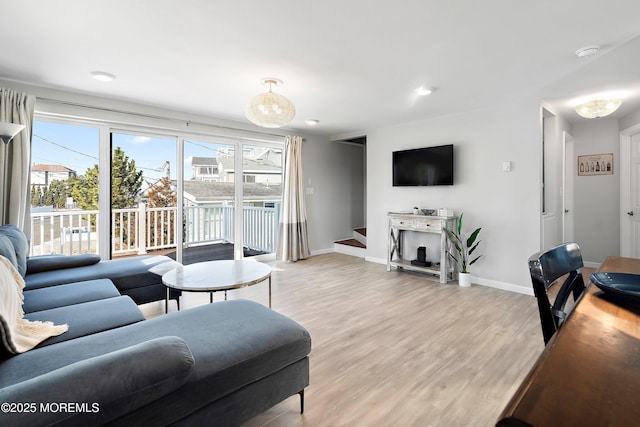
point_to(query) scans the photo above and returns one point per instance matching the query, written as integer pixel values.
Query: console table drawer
(428, 225)
(403, 223)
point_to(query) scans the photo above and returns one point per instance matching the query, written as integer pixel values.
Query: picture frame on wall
(595, 164)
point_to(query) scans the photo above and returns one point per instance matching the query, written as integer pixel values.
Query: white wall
(505, 204)
(596, 199)
(335, 172)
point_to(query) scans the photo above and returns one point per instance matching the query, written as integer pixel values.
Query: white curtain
(293, 241)
(15, 159)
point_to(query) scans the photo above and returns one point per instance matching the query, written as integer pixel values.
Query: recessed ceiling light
(424, 91)
(587, 51)
(102, 76)
(312, 122)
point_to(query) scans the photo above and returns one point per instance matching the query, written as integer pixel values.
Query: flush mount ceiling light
(102, 76)
(270, 110)
(424, 91)
(9, 130)
(587, 51)
(596, 108)
(312, 122)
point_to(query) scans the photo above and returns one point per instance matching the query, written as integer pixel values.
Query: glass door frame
(113, 122)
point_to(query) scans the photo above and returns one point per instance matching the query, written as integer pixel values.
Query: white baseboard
(376, 260)
(322, 251)
(527, 290)
(592, 264)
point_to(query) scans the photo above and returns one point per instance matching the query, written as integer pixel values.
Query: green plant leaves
(463, 249)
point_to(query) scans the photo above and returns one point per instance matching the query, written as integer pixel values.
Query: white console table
(401, 223)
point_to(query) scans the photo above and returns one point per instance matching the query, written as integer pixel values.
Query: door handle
(566, 211)
(630, 213)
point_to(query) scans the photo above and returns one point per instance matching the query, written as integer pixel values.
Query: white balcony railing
(74, 232)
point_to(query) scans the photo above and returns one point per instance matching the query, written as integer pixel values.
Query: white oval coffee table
(216, 276)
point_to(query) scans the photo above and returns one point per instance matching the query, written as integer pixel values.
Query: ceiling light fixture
(587, 51)
(312, 122)
(270, 110)
(424, 91)
(9, 130)
(102, 76)
(597, 108)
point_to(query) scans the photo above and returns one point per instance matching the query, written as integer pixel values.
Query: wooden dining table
(589, 373)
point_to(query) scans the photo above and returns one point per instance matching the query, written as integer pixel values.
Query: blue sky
(77, 148)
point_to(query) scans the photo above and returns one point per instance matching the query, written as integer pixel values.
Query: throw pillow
(41, 263)
(20, 245)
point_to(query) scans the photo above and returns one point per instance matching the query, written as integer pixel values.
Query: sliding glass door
(261, 195)
(134, 191)
(143, 194)
(209, 199)
(64, 170)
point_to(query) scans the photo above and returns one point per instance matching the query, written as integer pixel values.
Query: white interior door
(569, 173)
(632, 214)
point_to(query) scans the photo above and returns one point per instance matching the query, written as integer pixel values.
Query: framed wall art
(595, 164)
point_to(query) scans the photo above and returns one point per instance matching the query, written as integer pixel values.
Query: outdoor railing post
(141, 224)
(276, 226)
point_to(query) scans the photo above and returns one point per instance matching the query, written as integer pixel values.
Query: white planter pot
(464, 279)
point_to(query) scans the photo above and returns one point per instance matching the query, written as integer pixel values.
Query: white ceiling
(352, 64)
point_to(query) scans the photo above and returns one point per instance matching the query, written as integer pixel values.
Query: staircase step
(350, 247)
(360, 234)
(351, 242)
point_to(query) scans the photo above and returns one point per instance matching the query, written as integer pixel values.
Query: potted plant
(461, 250)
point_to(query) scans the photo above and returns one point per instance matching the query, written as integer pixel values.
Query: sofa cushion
(20, 246)
(89, 317)
(40, 263)
(136, 376)
(69, 294)
(125, 273)
(7, 250)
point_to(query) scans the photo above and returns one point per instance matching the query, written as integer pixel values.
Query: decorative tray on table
(618, 284)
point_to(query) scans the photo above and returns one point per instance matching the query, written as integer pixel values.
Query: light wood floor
(396, 348)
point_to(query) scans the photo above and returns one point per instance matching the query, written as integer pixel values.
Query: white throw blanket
(19, 334)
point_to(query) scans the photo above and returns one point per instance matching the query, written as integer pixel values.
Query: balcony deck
(212, 252)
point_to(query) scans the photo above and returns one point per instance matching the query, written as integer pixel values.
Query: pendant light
(270, 109)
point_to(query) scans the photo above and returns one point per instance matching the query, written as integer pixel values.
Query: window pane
(209, 199)
(143, 196)
(64, 182)
(262, 194)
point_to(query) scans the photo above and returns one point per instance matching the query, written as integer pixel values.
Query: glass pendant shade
(270, 110)
(9, 130)
(597, 108)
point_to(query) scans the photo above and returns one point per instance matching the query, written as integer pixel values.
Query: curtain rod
(153, 116)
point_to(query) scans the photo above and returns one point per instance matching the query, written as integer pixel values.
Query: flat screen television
(423, 166)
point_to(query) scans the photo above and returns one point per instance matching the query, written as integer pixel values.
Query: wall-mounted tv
(423, 166)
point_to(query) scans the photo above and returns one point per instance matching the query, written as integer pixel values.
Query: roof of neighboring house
(204, 191)
(253, 165)
(204, 161)
(51, 168)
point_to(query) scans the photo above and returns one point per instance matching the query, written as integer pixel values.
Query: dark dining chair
(547, 268)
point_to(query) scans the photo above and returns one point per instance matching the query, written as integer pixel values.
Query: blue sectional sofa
(217, 364)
